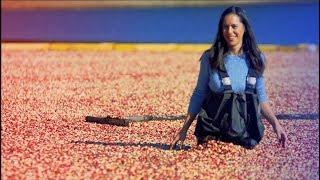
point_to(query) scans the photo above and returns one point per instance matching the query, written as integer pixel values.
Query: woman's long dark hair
(249, 45)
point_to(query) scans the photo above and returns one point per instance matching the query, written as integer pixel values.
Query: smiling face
(233, 30)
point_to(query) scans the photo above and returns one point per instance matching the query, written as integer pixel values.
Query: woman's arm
(199, 94)
(266, 109)
(181, 136)
(188, 121)
(202, 88)
(272, 119)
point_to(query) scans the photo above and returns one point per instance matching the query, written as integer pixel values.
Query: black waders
(231, 117)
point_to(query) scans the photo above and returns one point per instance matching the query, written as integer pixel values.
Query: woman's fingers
(283, 140)
(181, 136)
(282, 137)
(174, 142)
(181, 144)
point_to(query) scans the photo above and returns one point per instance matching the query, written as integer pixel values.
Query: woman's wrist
(188, 122)
(268, 114)
(275, 123)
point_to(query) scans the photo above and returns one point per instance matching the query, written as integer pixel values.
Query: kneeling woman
(230, 91)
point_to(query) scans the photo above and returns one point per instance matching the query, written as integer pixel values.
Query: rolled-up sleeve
(202, 88)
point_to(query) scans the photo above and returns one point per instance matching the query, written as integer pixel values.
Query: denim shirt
(209, 80)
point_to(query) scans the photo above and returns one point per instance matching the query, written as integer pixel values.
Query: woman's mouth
(231, 38)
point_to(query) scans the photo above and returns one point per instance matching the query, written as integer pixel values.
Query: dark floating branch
(125, 121)
(309, 116)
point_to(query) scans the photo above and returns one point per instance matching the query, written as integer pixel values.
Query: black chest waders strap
(225, 79)
(251, 81)
(255, 125)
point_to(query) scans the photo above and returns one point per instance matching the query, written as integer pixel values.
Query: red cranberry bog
(46, 95)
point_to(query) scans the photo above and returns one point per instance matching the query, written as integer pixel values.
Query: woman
(230, 90)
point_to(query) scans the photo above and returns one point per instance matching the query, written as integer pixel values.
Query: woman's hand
(266, 111)
(282, 136)
(181, 136)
